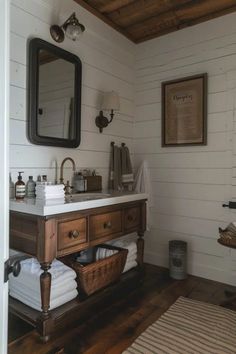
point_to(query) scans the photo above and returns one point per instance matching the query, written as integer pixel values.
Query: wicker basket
(97, 275)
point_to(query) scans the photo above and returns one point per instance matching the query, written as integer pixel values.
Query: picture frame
(184, 111)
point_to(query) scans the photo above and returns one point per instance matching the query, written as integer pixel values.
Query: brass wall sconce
(110, 102)
(72, 28)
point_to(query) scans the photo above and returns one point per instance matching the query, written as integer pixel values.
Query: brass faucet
(62, 166)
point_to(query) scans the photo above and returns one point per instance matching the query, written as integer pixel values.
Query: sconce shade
(73, 32)
(110, 101)
(73, 28)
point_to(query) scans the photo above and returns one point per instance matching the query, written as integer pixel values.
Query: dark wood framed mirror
(54, 99)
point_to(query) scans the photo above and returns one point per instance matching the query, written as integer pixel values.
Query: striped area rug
(189, 327)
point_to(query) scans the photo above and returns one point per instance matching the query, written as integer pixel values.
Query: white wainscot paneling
(187, 160)
(189, 191)
(211, 210)
(18, 103)
(159, 238)
(215, 176)
(189, 184)
(216, 142)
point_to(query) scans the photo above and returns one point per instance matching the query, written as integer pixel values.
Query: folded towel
(53, 188)
(142, 184)
(131, 246)
(129, 265)
(36, 304)
(50, 196)
(127, 176)
(56, 291)
(115, 169)
(31, 271)
(42, 192)
(132, 258)
(49, 191)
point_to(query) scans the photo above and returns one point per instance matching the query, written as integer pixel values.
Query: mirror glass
(55, 85)
(56, 96)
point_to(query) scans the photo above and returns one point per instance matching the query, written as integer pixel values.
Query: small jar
(79, 183)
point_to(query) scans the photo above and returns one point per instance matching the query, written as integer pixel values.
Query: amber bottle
(20, 188)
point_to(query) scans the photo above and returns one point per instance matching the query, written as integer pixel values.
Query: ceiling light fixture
(72, 28)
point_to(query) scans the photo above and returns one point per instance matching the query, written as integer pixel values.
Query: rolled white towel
(36, 303)
(31, 271)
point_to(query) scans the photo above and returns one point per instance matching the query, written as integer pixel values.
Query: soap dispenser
(20, 187)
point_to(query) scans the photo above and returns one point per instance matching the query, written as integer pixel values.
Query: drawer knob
(107, 225)
(74, 234)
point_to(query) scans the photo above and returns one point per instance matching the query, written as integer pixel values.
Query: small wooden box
(94, 183)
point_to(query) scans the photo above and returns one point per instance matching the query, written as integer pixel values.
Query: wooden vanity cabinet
(50, 237)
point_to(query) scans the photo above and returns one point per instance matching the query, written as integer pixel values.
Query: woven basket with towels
(100, 273)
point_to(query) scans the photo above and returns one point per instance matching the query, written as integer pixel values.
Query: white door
(4, 170)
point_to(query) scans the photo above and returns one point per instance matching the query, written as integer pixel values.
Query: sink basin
(86, 196)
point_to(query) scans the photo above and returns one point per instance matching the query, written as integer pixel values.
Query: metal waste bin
(178, 259)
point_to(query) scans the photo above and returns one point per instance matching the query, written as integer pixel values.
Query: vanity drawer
(105, 224)
(132, 218)
(72, 233)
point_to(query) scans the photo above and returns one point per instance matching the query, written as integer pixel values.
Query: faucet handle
(68, 188)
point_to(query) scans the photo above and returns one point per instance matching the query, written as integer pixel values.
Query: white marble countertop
(76, 202)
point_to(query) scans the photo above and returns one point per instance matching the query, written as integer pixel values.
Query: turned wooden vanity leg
(140, 249)
(45, 287)
(140, 241)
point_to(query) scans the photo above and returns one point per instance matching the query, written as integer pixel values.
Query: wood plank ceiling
(140, 20)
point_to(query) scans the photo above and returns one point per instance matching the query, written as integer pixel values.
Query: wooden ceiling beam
(141, 10)
(182, 25)
(153, 25)
(202, 8)
(103, 18)
(115, 5)
(140, 20)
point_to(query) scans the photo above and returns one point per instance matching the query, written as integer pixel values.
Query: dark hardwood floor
(114, 325)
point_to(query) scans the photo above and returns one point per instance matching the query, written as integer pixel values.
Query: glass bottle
(30, 188)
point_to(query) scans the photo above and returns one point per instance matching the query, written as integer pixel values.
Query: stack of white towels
(46, 192)
(26, 287)
(131, 246)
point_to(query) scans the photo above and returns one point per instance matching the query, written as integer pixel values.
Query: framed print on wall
(184, 111)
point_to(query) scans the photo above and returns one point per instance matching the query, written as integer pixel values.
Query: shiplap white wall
(190, 183)
(107, 64)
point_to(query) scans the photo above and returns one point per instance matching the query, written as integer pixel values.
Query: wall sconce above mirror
(110, 102)
(54, 88)
(72, 28)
